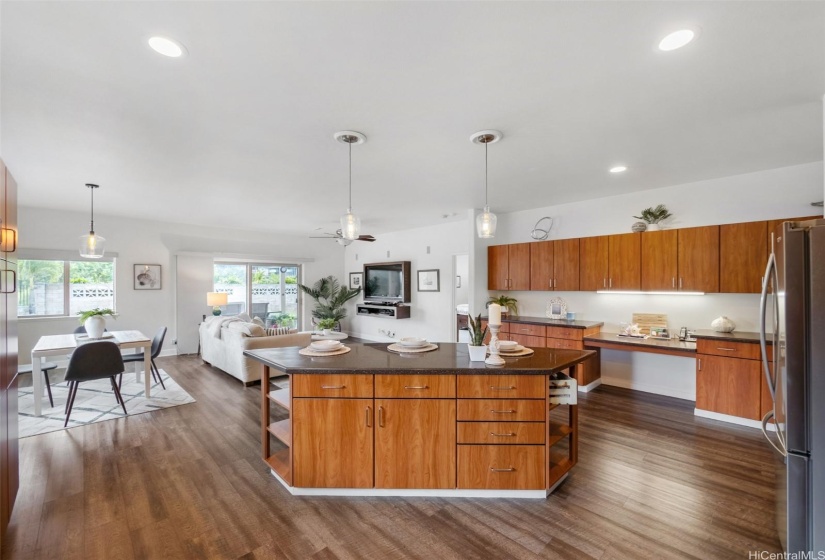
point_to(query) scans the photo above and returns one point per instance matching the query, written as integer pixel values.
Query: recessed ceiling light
(618, 169)
(677, 40)
(167, 47)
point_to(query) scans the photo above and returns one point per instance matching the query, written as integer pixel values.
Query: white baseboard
(732, 419)
(589, 387)
(648, 388)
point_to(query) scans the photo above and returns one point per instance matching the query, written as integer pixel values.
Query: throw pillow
(258, 321)
(244, 317)
(276, 331)
(249, 329)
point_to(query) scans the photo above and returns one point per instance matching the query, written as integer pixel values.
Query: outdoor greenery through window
(64, 288)
(267, 291)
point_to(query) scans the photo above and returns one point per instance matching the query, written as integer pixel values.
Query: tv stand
(383, 310)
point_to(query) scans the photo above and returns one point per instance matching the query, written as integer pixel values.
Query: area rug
(95, 402)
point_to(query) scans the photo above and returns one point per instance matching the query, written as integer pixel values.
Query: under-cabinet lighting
(637, 293)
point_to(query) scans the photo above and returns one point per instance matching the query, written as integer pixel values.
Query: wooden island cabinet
(375, 423)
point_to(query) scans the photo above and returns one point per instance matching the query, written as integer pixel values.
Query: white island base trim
(420, 492)
(731, 419)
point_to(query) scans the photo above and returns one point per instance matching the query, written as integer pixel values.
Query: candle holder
(494, 359)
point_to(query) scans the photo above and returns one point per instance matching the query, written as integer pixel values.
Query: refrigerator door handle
(763, 309)
(765, 420)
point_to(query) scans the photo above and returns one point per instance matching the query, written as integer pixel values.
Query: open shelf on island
(280, 397)
(282, 430)
(557, 432)
(279, 462)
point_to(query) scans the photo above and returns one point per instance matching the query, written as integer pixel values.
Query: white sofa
(226, 351)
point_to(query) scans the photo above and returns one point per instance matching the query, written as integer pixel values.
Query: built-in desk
(612, 341)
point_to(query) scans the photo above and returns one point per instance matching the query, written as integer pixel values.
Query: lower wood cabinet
(415, 443)
(501, 467)
(332, 445)
(730, 386)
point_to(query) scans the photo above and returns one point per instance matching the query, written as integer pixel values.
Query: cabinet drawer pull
(503, 411)
(526, 330)
(511, 434)
(333, 386)
(510, 388)
(511, 469)
(726, 349)
(368, 414)
(416, 387)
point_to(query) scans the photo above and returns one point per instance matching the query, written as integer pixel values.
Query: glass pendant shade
(92, 246)
(350, 225)
(486, 224)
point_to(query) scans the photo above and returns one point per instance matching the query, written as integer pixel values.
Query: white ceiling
(239, 133)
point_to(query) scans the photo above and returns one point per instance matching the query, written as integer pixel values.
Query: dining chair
(91, 361)
(157, 344)
(82, 330)
(45, 367)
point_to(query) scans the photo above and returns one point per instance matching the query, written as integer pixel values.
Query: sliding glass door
(267, 291)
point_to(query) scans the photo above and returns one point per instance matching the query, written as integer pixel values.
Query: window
(50, 287)
(267, 291)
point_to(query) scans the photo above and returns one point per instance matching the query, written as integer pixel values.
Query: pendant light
(486, 221)
(350, 223)
(92, 246)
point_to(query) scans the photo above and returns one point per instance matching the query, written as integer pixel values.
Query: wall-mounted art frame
(356, 280)
(428, 280)
(147, 277)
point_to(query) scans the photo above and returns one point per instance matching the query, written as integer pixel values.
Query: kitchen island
(375, 423)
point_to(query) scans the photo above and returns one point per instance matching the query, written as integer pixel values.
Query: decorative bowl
(325, 345)
(412, 341)
(507, 345)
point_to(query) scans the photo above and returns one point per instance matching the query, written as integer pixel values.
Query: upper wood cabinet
(508, 267)
(624, 258)
(742, 257)
(699, 259)
(554, 265)
(660, 260)
(593, 263)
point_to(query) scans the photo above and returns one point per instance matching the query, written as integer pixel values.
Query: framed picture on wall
(356, 280)
(147, 277)
(428, 281)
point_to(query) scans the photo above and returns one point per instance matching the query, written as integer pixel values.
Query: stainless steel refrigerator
(793, 321)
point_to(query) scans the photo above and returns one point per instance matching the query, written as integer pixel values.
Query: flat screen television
(387, 282)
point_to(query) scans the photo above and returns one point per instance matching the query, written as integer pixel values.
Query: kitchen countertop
(671, 346)
(735, 336)
(449, 359)
(549, 322)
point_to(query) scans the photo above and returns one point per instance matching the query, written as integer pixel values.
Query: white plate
(507, 345)
(325, 345)
(518, 348)
(413, 342)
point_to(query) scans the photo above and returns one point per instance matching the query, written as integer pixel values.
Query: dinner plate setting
(324, 348)
(411, 345)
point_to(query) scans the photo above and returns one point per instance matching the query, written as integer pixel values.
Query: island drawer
(498, 433)
(398, 386)
(332, 385)
(746, 350)
(562, 332)
(527, 340)
(529, 330)
(502, 387)
(565, 344)
(501, 410)
(501, 467)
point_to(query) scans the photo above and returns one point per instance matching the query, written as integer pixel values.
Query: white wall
(142, 241)
(432, 314)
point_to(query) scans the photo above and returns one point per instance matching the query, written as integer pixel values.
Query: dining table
(61, 344)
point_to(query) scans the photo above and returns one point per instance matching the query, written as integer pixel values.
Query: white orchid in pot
(94, 321)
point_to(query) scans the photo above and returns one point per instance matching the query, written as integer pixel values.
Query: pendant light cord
(92, 226)
(486, 201)
(349, 208)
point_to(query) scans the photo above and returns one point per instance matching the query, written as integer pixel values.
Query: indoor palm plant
(476, 347)
(94, 321)
(330, 297)
(507, 303)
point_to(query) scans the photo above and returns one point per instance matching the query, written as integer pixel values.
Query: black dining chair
(91, 361)
(45, 367)
(82, 330)
(157, 344)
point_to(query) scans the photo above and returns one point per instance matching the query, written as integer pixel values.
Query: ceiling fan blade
(366, 238)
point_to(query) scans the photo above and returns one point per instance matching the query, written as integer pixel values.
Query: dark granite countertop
(449, 359)
(735, 336)
(549, 322)
(673, 345)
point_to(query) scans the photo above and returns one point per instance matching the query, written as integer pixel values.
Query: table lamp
(216, 299)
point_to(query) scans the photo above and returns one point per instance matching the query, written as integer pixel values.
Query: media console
(384, 311)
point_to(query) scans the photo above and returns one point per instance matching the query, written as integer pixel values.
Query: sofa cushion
(249, 329)
(258, 321)
(244, 316)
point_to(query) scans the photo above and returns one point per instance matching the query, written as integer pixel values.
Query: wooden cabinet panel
(541, 265)
(333, 385)
(565, 344)
(528, 340)
(624, 261)
(502, 386)
(505, 327)
(497, 264)
(564, 332)
(504, 410)
(566, 265)
(510, 467)
(397, 386)
(593, 263)
(332, 444)
(415, 443)
(742, 258)
(501, 433)
(729, 386)
(528, 329)
(744, 350)
(699, 259)
(519, 266)
(659, 260)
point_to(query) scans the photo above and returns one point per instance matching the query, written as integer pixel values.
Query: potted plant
(476, 346)
(94, 321)
(326, 325)
(507, 303)
(653, 216)
(330, 297)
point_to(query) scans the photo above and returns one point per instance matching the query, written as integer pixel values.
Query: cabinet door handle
(6, 286)
(503, 411)
(368, 413)
(550, 283)
(510, 469)
(610, 283)
(680, 283)
(511, 434)
(674, 281)
(700, 364)
(333, 386)
(510, 388)
(380, 416)
(726, 349)
(604, 282)
(554, 282)
(411, 387)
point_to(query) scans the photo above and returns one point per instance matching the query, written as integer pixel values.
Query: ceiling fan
(339, 237)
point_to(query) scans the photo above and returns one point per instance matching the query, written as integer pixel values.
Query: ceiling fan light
(486, 224)
(92, 246)
(350, 225)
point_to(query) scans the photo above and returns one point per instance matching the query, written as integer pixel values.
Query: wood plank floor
(653, 481)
